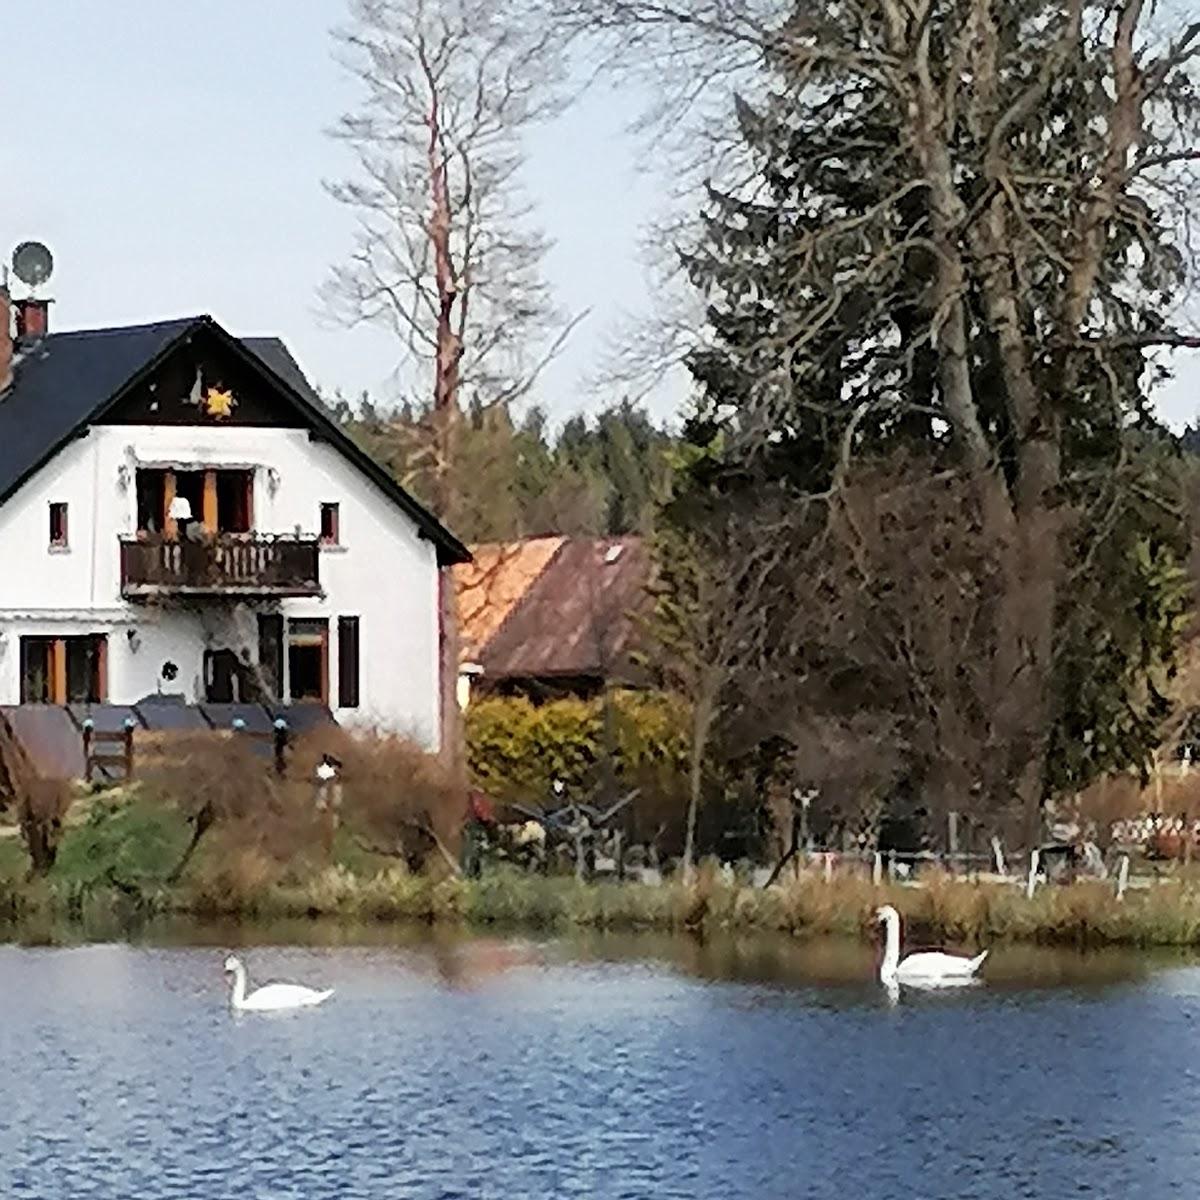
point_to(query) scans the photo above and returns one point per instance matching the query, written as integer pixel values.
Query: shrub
(398, 800)
(517, 749)
(130, 840)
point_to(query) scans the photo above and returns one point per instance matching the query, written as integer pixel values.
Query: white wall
(383, 572)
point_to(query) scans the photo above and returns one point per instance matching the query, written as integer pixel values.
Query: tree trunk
(41, 843)
(201, 824)
(453, 734)
(701, 724)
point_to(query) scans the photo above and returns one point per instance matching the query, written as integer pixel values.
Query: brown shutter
(348, 662)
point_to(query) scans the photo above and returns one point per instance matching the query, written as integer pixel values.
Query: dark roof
(69, 380)
(578, 617)
(62, 382)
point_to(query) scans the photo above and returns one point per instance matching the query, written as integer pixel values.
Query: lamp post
(328, 799)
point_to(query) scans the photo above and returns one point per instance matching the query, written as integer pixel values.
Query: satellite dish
(32, 263)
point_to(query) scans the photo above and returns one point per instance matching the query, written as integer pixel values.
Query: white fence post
(998, 855)
(1122, 876)
(1031, 882)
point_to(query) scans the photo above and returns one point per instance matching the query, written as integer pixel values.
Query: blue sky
(171, 154)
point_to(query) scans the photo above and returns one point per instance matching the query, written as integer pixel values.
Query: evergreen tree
(962, 228)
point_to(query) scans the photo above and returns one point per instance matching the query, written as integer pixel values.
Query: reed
(115, 866)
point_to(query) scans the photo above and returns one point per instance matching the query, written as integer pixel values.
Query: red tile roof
(489, 586)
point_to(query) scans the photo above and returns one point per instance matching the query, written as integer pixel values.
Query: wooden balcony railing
(234, 564)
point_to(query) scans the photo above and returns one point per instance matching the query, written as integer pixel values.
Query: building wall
(383, 572)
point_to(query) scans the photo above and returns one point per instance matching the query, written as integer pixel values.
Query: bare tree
(446, 255)
(710, 627)
(40, 804)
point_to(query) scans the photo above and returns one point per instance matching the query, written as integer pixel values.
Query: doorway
(308, 660)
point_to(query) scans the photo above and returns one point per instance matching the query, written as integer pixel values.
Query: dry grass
(944, 911)
(252, 884)
(261, 852)
(397, 798)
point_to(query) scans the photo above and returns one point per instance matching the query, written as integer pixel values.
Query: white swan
(926, 969)
(274, 997)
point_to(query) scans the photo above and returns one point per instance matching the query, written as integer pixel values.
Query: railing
(120, 755)
(234, 564)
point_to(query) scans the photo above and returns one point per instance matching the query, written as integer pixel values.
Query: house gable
(136, 375)
(202, 380)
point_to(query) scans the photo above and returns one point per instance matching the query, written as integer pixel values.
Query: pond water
(595, 1067)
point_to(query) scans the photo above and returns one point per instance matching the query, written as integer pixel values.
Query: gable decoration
(215, 401)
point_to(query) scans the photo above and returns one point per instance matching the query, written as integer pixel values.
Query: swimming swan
(926, 969)
(272, 998)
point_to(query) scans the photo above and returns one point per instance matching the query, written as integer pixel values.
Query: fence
(109, 752)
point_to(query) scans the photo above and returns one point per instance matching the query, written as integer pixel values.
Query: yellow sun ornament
(219, 403)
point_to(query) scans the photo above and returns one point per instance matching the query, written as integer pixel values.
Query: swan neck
(239, 986)
(891, 953)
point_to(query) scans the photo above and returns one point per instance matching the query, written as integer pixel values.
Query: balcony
(232, 565)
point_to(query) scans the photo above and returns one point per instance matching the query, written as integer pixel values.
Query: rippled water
(599, 1068)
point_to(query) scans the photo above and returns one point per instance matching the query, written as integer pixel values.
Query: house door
(221, 684)
(308, 660)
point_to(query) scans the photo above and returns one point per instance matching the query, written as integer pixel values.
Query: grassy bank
(118, 861)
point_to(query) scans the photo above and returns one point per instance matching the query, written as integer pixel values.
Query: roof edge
(449, 549)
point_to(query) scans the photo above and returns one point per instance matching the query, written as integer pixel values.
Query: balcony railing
(230, 565)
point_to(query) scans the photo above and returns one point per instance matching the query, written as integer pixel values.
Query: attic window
(58, 526)
(330, 524)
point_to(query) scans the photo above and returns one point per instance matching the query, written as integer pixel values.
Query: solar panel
(254, 717)
(49, 737)
(304, 718)
(105, 718)
(169, 716)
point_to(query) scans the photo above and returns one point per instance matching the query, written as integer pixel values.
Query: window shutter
(348, 658)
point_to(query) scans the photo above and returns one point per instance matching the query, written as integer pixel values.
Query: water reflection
(461, 958)
(639, 1067)
(843, 963)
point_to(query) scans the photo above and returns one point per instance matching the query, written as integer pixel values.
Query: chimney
(33, 319)
(6, 342)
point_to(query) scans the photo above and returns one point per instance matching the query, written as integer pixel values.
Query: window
(308, 660)
(235, 501)
(348, 662)
(151, 501)
(222, 501)
(189, 486)
(58, 526)
(71, 670)
(330, 524)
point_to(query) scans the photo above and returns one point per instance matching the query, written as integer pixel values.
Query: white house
(178, 515)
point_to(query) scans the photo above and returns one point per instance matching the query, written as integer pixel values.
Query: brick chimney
(6, 341)
(33, 319)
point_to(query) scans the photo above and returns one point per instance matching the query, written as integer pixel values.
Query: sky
(172, 155)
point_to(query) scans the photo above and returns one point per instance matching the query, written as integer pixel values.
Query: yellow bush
(517, 749)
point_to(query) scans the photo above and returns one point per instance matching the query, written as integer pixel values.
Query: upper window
(58, 526)
(330, 524)
(220, 499)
